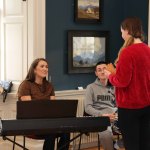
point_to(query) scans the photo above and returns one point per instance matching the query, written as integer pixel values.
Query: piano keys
(48, 126)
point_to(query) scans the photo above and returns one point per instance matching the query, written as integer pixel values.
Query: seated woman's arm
(24, 91)
(52, 97)
(29, 90)
(25, 98)
(28, 98)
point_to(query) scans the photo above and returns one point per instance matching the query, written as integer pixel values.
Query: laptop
(42, 109)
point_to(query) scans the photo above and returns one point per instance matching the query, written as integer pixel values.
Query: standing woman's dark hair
(31, 75)
(134, 27)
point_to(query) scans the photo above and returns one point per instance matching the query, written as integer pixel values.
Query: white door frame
(36, 29)
(35, 33)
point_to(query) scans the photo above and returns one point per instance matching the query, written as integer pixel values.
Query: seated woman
(36, 87)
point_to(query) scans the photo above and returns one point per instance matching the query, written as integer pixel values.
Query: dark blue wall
(60, 18)
(138, 8)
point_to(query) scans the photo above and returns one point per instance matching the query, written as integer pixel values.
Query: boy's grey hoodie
(98, 99)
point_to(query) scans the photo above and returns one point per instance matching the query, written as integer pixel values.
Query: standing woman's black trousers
(135, 128)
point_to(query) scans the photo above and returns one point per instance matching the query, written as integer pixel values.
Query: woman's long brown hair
(134, 27)
(30, 75)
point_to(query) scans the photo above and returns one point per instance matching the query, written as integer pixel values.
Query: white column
(36, 30)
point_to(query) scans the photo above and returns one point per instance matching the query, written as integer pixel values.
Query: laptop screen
(38, 109)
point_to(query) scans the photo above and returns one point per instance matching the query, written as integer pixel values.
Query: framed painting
(88, 11)
(85, 49)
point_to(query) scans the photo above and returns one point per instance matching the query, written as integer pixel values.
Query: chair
(115, 131)
(41, 109)
(24, 141)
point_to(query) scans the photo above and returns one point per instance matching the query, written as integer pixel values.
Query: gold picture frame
(88, 11)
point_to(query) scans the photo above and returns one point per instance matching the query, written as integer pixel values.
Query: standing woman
(132, 81)
(36, 87)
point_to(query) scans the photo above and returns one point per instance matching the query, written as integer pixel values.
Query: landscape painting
(85, 49)
(88, 10)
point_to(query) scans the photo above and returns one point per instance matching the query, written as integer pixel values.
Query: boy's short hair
(99, 63)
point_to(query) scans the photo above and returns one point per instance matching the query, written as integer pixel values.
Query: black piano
(47, 126)
(58, 125)
(46, 119)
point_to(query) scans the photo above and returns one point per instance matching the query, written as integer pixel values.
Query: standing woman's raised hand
(111, 68)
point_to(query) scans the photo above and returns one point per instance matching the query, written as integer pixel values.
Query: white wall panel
(13, 51)
(13, 8)
(13, 40)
